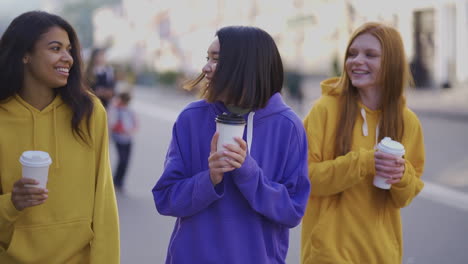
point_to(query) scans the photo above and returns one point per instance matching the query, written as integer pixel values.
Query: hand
(389, 166)
(23, 197)
(217, 162)
(236, 153)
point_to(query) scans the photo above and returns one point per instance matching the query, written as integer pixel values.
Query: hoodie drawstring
(250, 131)
(34, 129)
(56, 138)
(365, 128)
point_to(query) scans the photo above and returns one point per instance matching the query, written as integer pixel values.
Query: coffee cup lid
(391, 146)
(232, 119)
(35, 158)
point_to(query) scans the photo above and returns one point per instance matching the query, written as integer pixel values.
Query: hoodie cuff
(405, 180)
(243, 173)
(7, 210)
(205, 189)
(367, 162)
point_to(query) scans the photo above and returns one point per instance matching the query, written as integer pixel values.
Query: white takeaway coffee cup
(36, 166)
(389, 146)
(229, 126)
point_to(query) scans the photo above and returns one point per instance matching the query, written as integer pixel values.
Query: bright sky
(12, 8)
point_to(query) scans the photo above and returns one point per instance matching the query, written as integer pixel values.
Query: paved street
(435, 224)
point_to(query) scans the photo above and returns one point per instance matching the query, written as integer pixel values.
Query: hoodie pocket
(52, 243)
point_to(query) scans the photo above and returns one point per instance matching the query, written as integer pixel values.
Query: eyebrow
(213, 52)
(57, 42)
(364, 49)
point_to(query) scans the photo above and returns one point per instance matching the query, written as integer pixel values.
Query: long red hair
(394, 76)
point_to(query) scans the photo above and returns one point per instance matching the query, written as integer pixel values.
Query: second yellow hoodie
(347, 219)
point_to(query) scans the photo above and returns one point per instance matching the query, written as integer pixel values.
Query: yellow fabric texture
(78, 223)
(347, 219)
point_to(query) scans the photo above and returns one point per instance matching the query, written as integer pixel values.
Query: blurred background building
(171, 37)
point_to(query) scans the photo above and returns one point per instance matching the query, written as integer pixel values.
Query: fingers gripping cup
(229, 126)
(389, 146)
(36, 166)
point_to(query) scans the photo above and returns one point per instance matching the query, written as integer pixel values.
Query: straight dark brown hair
(249, 69)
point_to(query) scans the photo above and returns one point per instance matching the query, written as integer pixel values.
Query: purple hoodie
(245, 218)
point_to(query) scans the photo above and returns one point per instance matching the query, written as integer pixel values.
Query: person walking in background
(100, 76)
(123, 125)
(235, 205)
(348, 219)
(44, 105)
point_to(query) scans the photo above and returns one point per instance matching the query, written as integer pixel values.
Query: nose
(207, 68)
(67, 57)
(358, 59)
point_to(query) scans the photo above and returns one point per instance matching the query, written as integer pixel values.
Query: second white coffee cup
(229, 126)
(389, 146)
(36, 166)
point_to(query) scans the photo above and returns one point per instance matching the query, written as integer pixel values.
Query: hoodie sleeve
(283, 201)
(403, 192)
(177, 193)
(8, 216)
(329, 177)
(105, 245)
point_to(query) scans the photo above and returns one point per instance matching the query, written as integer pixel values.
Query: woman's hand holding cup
(217, 162)
(389, 166)
(236, 153)
(23, 197)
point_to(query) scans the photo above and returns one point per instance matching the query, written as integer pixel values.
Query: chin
(59, 85)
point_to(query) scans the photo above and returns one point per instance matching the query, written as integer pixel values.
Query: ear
(26, 59)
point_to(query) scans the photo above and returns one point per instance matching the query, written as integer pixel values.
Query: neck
(370, 98)
(37, 95)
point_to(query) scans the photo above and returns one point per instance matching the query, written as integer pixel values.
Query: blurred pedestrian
(294, 83)
(348, 219)
(236, 205)
(44, 105)
(100, 76)
(123, 125)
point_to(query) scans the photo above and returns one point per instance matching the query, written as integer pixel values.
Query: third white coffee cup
(36, 166)
(389, 146)
(229, 127)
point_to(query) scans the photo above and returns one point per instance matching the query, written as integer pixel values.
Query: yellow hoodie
(347, 219)
(78, 223)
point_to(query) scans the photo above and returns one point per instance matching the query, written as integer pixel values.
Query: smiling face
(363, 62)
(49, 63)
(212, 60)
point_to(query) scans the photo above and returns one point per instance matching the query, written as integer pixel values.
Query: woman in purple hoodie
(236, 205)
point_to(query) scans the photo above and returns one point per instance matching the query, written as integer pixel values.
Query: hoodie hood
(275, 105)
(330, 86)
(17, 108)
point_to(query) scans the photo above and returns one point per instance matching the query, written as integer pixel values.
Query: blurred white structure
(174, 35)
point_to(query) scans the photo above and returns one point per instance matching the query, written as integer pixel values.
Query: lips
(63, 70)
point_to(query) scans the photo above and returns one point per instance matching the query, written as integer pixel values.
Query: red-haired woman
(348, 219)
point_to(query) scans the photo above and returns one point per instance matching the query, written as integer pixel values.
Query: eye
(352, 54)
(56, 48)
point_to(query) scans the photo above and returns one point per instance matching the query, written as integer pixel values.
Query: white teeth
(360, 72)
(63, 70)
